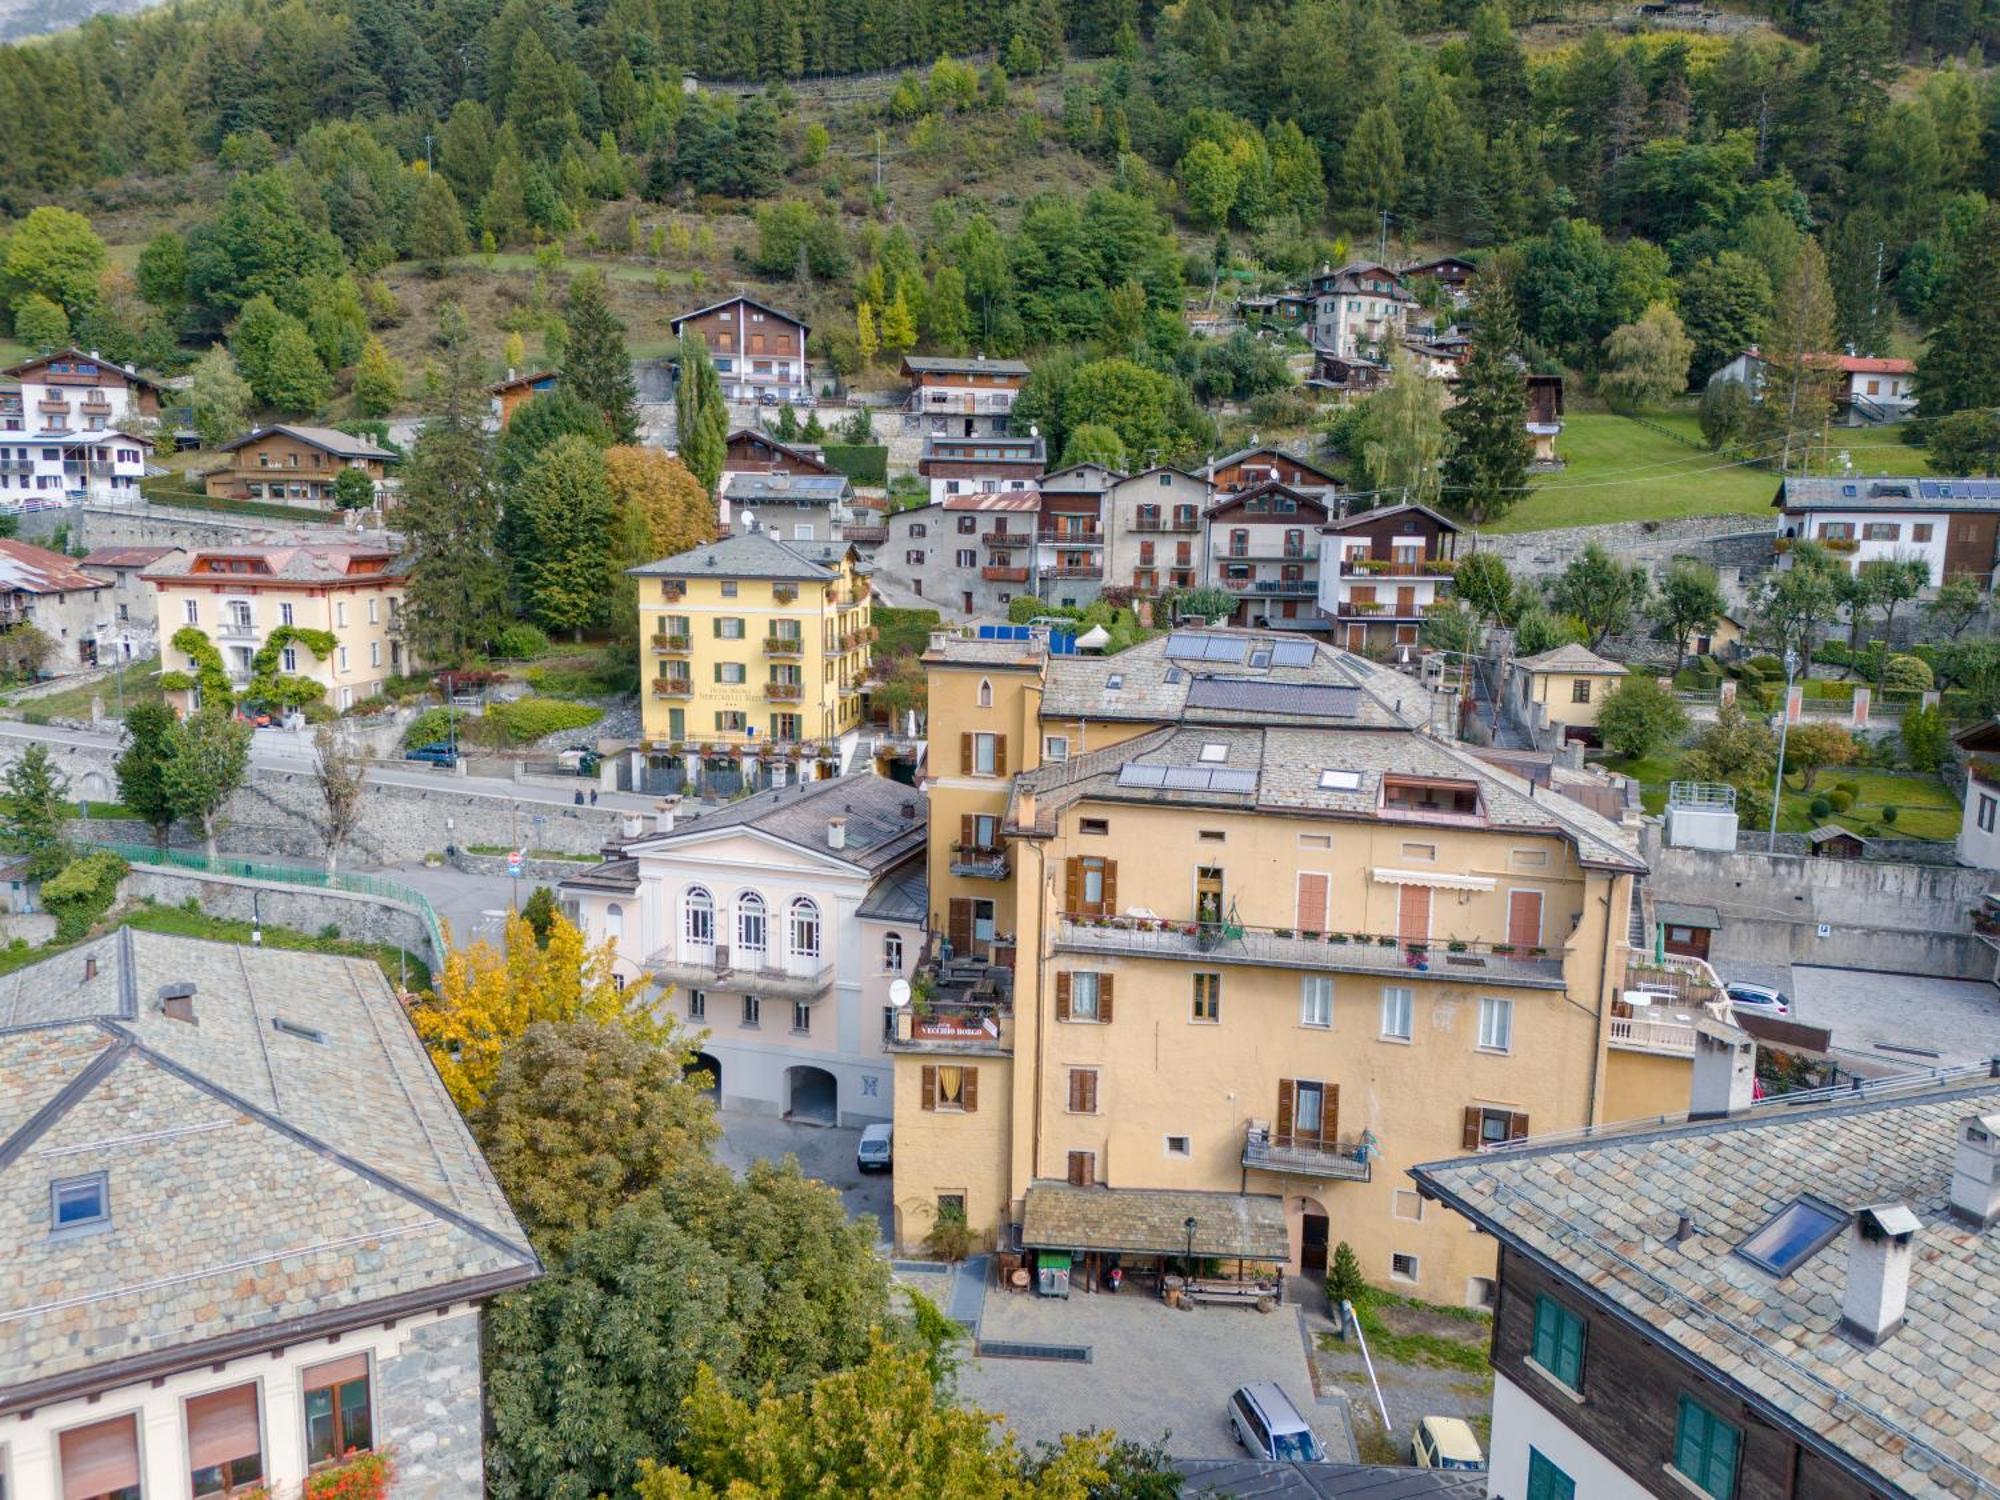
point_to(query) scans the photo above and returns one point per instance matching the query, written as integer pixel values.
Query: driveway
(1154, 1372)
(1897, 1023)
(824, 1152)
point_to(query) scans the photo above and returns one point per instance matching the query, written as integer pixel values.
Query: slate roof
(28, 569)
(1383, 512)
(903, 895)
(264, 1187)
(1887, 493)
(753, 487)
(742, 554)
(879, 835)
(314, 564)
(777, 312)
(122, 557)
(1207, 470)
(1832, 833)
(1921, 1410)
(1682, 914)
(339, 444)
(1262, 1479)
(1570, 657)
(1152, 1221)
(938, 364)
(515, 382)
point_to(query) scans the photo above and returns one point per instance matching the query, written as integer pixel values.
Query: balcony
(980, 862)
(236, 630)
(751, 973)
(1636, 1033)
(1240, 552)
(673, 593)
(677, 645)
(784, 692)
(1075, 570)
(1072, 538)
(1184, 525)
(1280, 588)
(946, 1026)
(17, 466)
(1427, 567)
(673, 687)
(54, 404)
(784, 645)
(1456, 960)
(1304, 1156)
(1006, 538)
(1004, 575)
(864, 534)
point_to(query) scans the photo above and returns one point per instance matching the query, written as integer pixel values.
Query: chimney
(836, 833)
(634, 825)
(177, 1000)
(909, 811)
(1024, 807)
(663, 818)
(1975, 1172)
(510, 372)
(1878, 1271)
(1725, 1071)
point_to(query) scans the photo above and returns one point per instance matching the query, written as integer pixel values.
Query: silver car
(1758, 999)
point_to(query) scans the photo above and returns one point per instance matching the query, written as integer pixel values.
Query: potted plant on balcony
(1456, 945)
(358, 1476)
(1503, 949)
(1283, 932)
(923, 994)
(1385, 941)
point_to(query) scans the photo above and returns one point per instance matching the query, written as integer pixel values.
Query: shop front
(1193, 1246)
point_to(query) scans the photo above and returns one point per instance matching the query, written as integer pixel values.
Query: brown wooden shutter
(999, 755)
(965, 754)
(969, 1091)
(1286, 1089)
(1517, 1127)
(1329, 1115)
(1089, 1092)
(1082, 1169)
(1470, 1140)
(1073, 885)
(1075, 1091)
(966, 831)
(1110, 887)
(1104, 998)
(1312, 903)
(930, 1087)
(959, 928)
(1062, 996)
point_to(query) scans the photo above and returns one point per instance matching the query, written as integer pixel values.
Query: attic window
(294, 1028)
(1802, 1228)
(79, 1202)
(1215, 754)
(1339, 781)
(1261, 657)
(1114, 682)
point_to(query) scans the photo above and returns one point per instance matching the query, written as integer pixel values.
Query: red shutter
(1062, 996)
(1073, 885)
(1104, 998)
(1524, 918)
(930, 1087)
(1286, 1088)
(1470, 1140)
(1079, 1169)
(1517, 1127)
(999, 755)
(1329, 1115)
(1110, 888)
(1413, 913)
(1312, 903)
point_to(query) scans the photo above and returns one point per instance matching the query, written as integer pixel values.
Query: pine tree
(1487, 445)
(948, 315)
(1956, 370)
(378, 381)
(437, 225)
(596, 367)
(702, 417)
(558, 532)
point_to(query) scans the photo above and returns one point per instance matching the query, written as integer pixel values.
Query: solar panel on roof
(1134, 774)
(1199, 645)
(1314, 700)
(1232, 781)
(1187, 778)
(1292, 654)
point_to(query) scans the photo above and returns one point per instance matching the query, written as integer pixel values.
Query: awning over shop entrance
(1153, 1221)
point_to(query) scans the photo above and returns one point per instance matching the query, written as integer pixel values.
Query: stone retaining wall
(1726, 542)
(368, 919)
(549, 872)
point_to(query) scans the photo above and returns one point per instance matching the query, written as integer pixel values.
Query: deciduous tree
(54, 252)
(1799, 372)
(557, 531)
(1955, 605)
(220, 397)
(1688, 604)
(1638, 716)
(1645, 363)
(1405, 442)
(34, 809)
(208, 758)
(378, 381)
(141, 765)
(1601, 592)
(340, 773)
(1482, 580)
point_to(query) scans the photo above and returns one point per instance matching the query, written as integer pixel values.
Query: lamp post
(1188, 1225)
(1784, 729)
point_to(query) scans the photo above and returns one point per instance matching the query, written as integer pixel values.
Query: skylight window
(1802, 1228)
(1215, 753)
(79, 1202)
(294, 1028)
(1114, 682)
(1261, 657)
(1339, 781)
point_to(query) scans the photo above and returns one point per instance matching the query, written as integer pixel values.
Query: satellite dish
(899, 993)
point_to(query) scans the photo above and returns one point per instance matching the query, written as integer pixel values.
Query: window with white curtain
(892, 953)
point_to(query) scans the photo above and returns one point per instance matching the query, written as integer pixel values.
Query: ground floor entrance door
(1312, 1243)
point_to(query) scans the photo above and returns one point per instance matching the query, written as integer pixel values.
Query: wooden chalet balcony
(1075, 570)
(667, 641)
(784, 692)
(1167, 523)
(52, 403)
(1243, 550)
(784, 645)
(1281, 588)
(863, 533)
(1060, 538)
(1004, 575)
(1464, 961)
(1007, 538)
(1304, 1156)
(673, 687)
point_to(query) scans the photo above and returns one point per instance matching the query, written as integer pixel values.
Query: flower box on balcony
(1840, 544)
(784, 596)
(673, 687)
(665, 642)
(783, 645)
(359, 1476)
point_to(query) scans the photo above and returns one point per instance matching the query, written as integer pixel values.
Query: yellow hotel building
(758, 649)
(1229, 942)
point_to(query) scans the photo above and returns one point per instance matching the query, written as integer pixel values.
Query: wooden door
(1406, 600)
(1312, 1243)
(1690, 941)
(1524, 919)
(1312, 903)
(1413, 913)
(1357, 638)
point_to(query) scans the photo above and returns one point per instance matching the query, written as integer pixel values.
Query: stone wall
(165, 526)
(365, 919)
(431, 1411)
(1895, 917)
(1727, 542)
(548, 872)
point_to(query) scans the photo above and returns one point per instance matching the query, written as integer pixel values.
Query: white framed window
(753, 1011)
(1402, 1266)
(730, 673)
(285, 614)
(193, 610)
(804, 928)
(752, 923)
(340, 614)
(1316, 1000)
(289, 657)
(802, 1018)
(343, 658)
(892, 953)
(1398, 1005)
(985, 754)
(1496, 1024)
(1180, 1145)
(374, 653)
(697, 1005)
(1055, 747)
(699, 917)
(373, 606)
(1083, 993)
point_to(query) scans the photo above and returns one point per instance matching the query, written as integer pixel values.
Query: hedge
(530, 718)
(192, 500)
(864, 463)
(83, 892)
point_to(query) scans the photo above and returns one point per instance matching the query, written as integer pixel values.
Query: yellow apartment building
(758, 649)
(1561, 690)
(347, 599)
(1229, 942)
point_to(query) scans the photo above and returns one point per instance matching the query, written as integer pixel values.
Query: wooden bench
(1245, 1292)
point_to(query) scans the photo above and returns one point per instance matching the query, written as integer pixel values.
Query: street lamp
(1784, 728)
(1188, 1225)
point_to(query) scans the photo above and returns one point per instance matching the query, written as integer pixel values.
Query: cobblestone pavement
(1154, 1372)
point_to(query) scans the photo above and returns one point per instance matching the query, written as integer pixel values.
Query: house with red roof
(1872, 388)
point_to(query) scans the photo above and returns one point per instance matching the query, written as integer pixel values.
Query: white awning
(1436, 879)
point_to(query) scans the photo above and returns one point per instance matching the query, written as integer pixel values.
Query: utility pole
(1784, 729)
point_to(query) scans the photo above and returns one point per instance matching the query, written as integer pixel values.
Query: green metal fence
(281, 872)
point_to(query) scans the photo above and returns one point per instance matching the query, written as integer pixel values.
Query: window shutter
(970, 1092)
(1470, 1140)
(1517, 1127)
(222, 1426)
(1329, 1115)
(930, 1087)
(999, 755)
(960, 925)
(1075, 1091)
(1110, 886)
(1312, 903)
(965, 753)
(1062, 996)
(1073, 885)
(1089, 1093)
(1104, 998)
(1286, 1090)
(966, 831)
(1079, 1169)
(100, 1459)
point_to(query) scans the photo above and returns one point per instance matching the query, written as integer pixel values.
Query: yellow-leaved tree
(879, 1429)
(486, 997)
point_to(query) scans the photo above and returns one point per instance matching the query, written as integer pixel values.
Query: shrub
(950, 1238)
(520, 642)
(1890, 812)
(83, 892)
(528, 719)
(1910, 673)
(1841, 800)
(1769, 666)
(1820, 807)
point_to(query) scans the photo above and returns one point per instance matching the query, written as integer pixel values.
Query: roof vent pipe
(1975, 1172)
(1684, 1229)
(1879, 1251)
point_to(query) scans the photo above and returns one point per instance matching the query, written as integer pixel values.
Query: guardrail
(277, 872)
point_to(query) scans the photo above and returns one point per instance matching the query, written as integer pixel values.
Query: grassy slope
(1622, 470)
(1926, 808)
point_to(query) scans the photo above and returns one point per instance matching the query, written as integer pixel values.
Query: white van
(1263, 1419)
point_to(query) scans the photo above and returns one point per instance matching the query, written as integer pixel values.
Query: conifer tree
(1957, 369)
(702, 416)
(378, 381)
(1487, 448)
(596, 367)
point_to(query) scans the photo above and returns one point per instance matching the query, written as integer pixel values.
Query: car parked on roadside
(1263, 1419)
(436, 755)
(874, 1151)
(1758, 999)
(1446, 1443)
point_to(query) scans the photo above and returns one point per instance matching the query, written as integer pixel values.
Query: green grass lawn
(140, 684)
(1619, 470)
(1925, 809)
(1652, 772)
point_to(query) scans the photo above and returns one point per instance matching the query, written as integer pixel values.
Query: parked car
(1758, 999)
(1263, 1419)
(580, 760)
(439, 754)
(873, 1153)
(1446, 1443)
